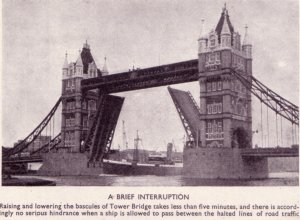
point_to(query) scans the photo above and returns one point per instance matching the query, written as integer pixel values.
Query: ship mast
(125, 143)
(136, 148)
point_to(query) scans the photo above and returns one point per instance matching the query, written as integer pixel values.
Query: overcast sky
(36, 35)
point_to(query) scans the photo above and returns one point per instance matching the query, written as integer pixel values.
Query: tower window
(214, 109)
(92, 105)
(213, 42)
(220, 127)
(209, 127)
(214, 86)
(215, 127)
(201, 46)
(84, 121)
(220, 108)
(208, 85)
(212, 58)
(217, 56)
(209, 109)
(219, 85)
(207, 58)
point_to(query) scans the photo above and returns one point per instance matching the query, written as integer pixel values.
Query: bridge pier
(222, 163)
(67, 164)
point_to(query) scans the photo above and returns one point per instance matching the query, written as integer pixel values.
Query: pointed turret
(86, 45)
(246, 38)
(225, 28)
(92, 70)
(247, 46)
(225, 31)
(202, 41)
(104, 69)
(66, 64)
(65, 67)
(79, 66)
(203, 34)
(86, 56)
(79, 60)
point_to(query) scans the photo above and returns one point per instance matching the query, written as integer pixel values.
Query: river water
(276, 179)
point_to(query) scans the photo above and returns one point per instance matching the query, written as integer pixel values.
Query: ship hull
(110, 167)
(63, 164)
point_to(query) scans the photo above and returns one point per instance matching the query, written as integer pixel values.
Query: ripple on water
(287, 179)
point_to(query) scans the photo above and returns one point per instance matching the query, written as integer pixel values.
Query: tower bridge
(174, 73)
(219, 131)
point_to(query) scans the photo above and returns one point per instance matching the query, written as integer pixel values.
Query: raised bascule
(219, 132)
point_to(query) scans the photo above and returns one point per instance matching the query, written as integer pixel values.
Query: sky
(140, 33)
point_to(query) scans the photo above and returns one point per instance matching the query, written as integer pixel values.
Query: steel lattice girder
(186, 71)
(52, 144)
(34, 134)
(90, 138)
(188, 112)
(274, 101)
(106, 120)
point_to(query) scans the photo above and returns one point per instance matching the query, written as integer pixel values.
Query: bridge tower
(225, 107)
(225, 103)
(77, 110)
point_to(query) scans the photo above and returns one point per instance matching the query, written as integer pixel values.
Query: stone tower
(225, 102)
(77, 109)
(225, 108)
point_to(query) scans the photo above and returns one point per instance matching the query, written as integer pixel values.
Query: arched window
(92, 105)
(212, 42)
(219, 85)
(209, 130)
(208, 85)
(215, 129)
(214, 87)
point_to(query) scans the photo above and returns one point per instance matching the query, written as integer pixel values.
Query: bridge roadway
(28, 159)
(271, 152)
(181, 72)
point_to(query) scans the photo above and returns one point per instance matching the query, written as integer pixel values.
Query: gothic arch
(240, 138)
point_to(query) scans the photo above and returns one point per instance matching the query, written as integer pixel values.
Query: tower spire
(246, 38)
(202, 30)
(65, 66)
(79, 60)
(224, 8)
(247, 46)
(225, 28)
(86, 45)
(104, 69)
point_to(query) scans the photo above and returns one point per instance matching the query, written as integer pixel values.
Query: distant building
(36, 144)
(39, 142)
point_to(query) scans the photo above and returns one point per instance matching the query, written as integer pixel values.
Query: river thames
(276, 179)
